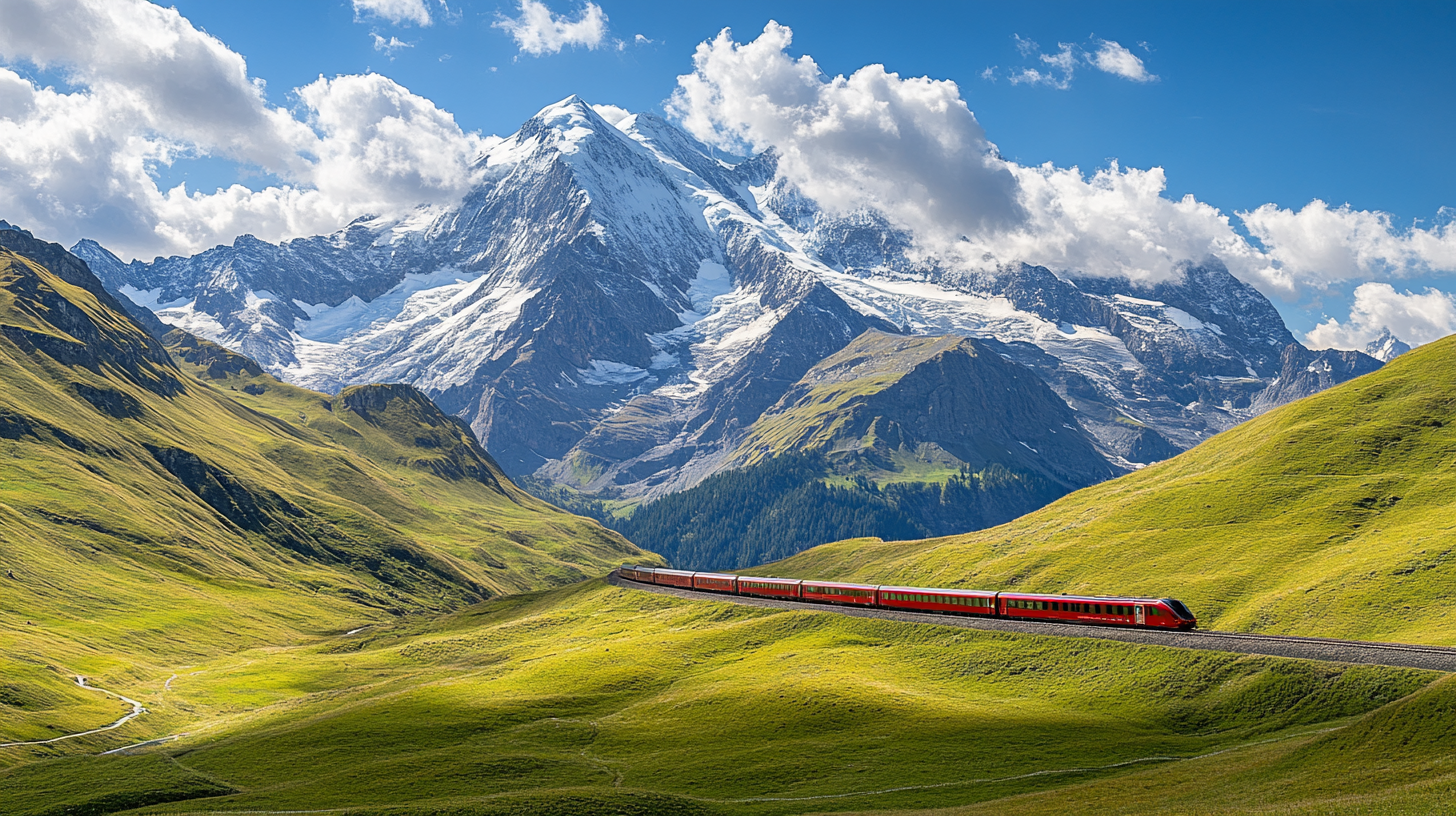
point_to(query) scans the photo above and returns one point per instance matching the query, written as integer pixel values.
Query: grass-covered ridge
(157, 512)
(599, 699)
(1330, 516)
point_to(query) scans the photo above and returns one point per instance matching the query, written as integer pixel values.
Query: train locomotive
(1152, 613)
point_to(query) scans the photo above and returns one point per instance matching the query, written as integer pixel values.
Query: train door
(1139, 615)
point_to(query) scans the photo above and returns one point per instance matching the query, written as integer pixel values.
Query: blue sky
(1249, 105)
(1254, 102)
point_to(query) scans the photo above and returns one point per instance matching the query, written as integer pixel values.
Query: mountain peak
(1387, 346)
(569, 111)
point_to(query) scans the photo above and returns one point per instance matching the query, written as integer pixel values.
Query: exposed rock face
(612, 308)
(1303, 372)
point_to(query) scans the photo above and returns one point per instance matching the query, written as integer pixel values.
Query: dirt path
(137, 709)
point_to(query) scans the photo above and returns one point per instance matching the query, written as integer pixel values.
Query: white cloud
(1319, 245)
(1117, 60)
(382, 145)
(909, 147)
(390, 45)
(643, 40)
(399, 12)
(1057, 69)
(1414, 318)
(913, 150)
(1117, 223)
(539, 32)
(151, 90)
(611, 113)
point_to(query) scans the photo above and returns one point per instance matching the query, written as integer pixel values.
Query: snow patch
(150, 298)
(1188, 322)
(609, 372)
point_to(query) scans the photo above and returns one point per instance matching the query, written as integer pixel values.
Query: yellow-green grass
(872, 363)
(122, 572)
(594, 699)
(1398, 761)
(1332, 516)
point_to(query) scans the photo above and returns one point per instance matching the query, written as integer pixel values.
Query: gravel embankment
(1436, 658)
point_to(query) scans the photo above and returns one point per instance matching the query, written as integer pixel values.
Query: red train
(1161, 613)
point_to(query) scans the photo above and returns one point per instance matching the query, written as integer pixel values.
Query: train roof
(764, 578)
(835, 585)
(1036, 596)
(976, 592)
(725, 575)
(674, 572)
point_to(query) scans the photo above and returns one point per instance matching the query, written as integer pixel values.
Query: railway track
(1400, 655)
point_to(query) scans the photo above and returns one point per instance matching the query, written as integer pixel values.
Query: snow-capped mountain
(1387, 346)
(614, 305)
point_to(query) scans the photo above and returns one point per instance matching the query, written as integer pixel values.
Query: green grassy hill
(158, 512)
(1331, 516)
(592, 699)
(285, 601)
(897, 408)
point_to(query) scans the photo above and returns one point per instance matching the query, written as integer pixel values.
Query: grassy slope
(589, 698)
(813, 416)
(1330, 516)
(123, 573)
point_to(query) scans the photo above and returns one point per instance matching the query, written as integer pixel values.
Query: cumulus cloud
(399, 12)
(537, 31)
(1118, 61)
(149, 89)
(1319, 244)
(911, 149)
(611, 113)
(908, 147)
(1414, 318)
(1115, 223)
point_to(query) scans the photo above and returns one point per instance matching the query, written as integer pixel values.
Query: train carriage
(671, 577)
(1161, 613)
(632, 572)
(835, 593)
(951, 601)
(768, 587)
(715, 582)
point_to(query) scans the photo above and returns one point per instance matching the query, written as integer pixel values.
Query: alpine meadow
(426, 408)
